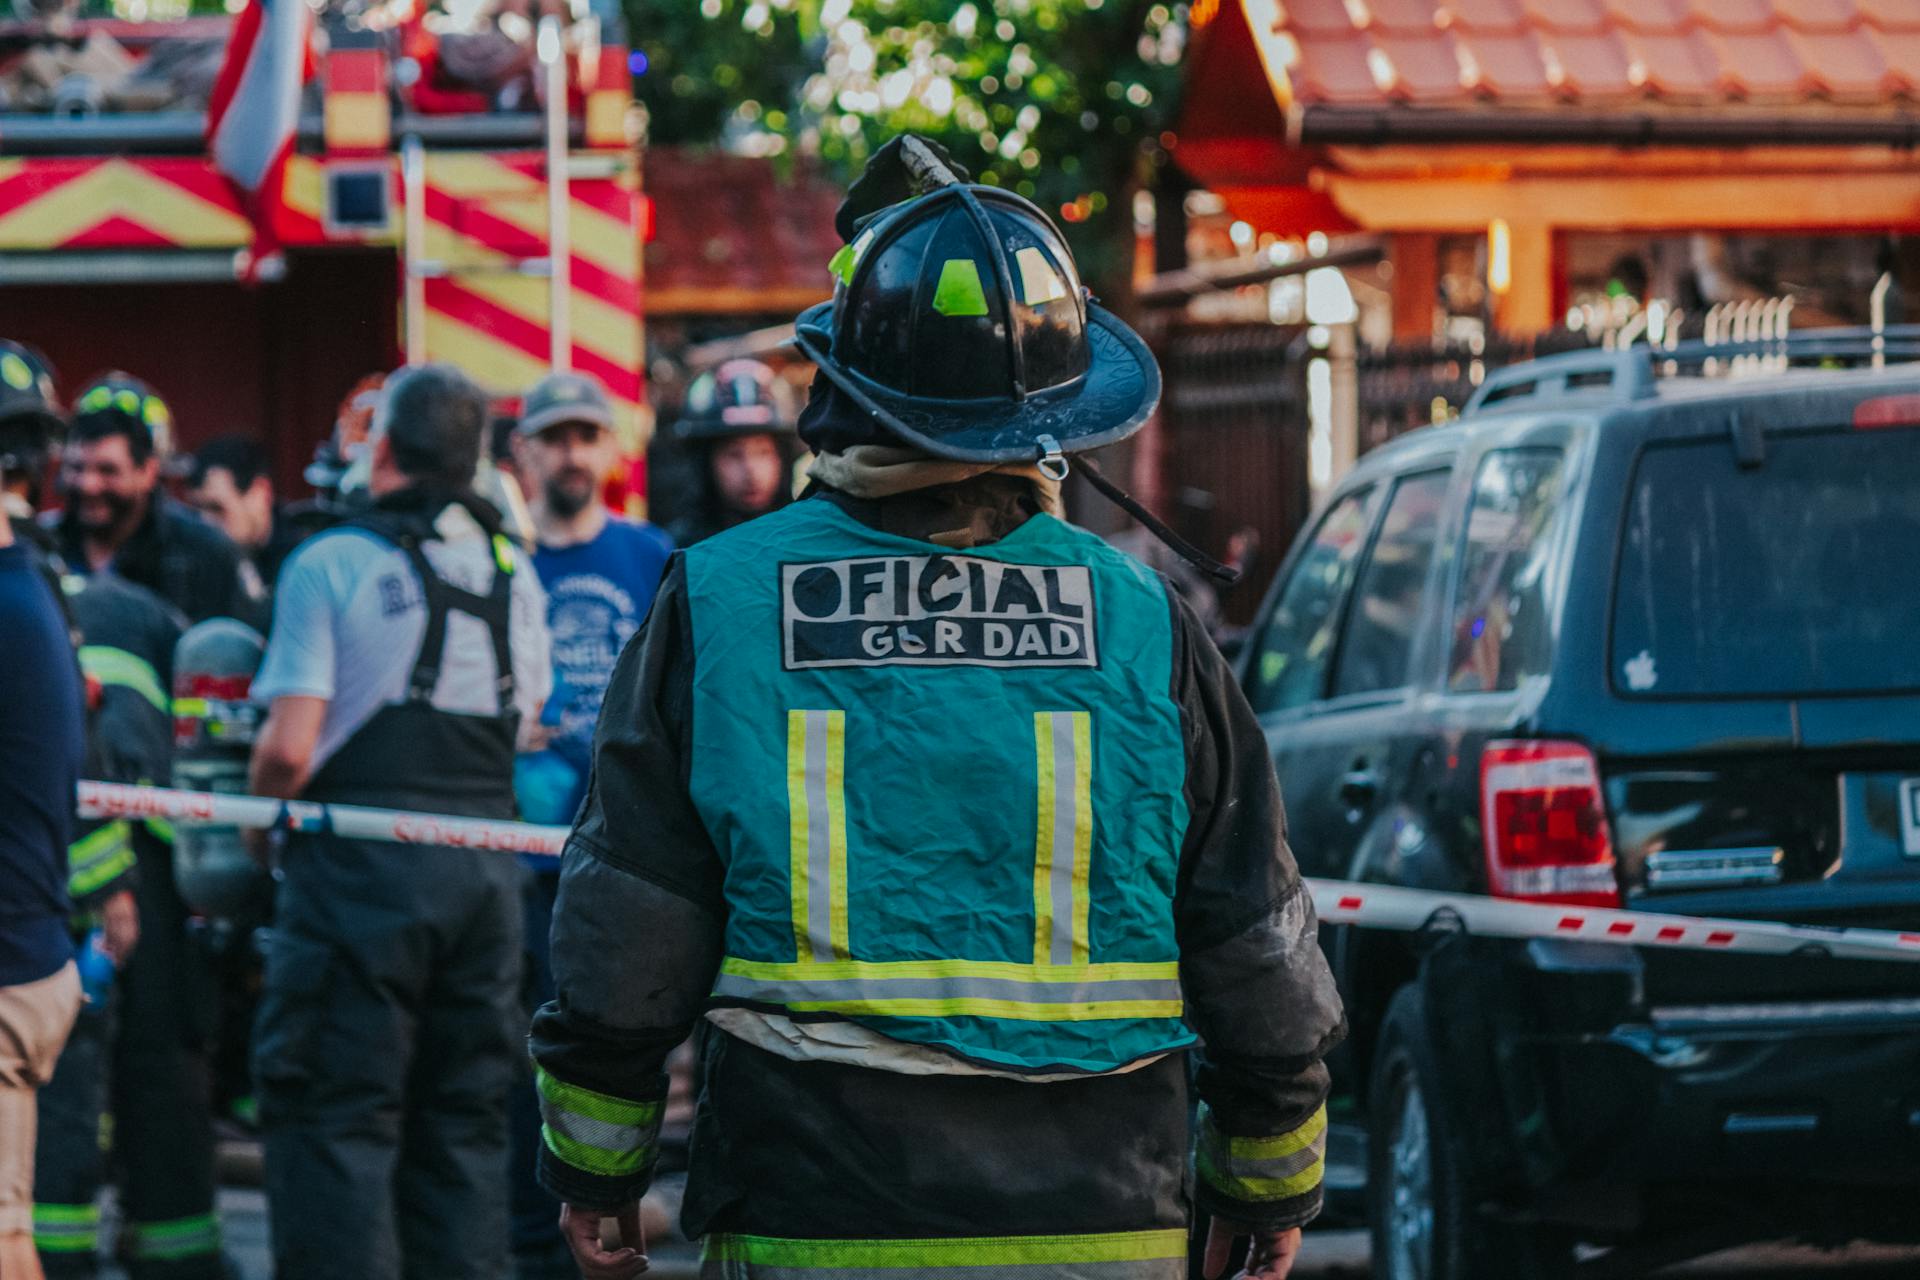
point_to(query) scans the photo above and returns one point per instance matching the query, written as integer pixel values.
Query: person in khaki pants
(35, 1018)
(42, 741)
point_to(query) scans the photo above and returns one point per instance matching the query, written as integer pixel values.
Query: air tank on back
(213, 730)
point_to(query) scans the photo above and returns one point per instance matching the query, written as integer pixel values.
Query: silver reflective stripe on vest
(1064, 840)
(816, 749)
(808, 990)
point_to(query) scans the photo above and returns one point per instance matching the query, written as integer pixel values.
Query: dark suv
(1612, 639)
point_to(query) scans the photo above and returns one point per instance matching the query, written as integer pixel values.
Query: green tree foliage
(1060, 100)
(716, 70)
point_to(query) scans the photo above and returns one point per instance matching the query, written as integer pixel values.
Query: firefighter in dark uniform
(408, 647)
(161, 1003)
(119, 516)
(737, 428)
(141, 1051)
(946, 825)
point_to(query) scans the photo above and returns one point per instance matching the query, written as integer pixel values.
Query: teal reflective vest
(947, 786)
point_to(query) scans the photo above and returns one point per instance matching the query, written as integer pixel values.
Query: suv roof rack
(1622, 374)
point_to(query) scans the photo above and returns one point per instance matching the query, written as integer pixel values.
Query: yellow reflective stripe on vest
(112, 666)
(920, 1256)
(817, 831)
(1061, 985)
(1063, 846)
(959, 988)
(1279, 1167)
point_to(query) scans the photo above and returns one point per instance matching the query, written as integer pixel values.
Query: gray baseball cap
(564, 397)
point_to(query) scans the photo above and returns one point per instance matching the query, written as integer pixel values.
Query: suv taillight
(1546, 824)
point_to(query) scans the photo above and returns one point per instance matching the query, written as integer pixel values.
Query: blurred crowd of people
(436, 628)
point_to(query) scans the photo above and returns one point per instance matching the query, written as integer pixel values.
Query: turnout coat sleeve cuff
(596, 1151)
(1271, 1182)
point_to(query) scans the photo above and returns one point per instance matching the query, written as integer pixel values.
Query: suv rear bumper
(1795, 1092)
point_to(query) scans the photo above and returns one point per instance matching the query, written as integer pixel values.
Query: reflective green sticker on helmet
(98, 398)
(848, 257)
(1039, 282)
(16, 372)
(841, 265)
(155, 414)
(127, 402)
(959, 292)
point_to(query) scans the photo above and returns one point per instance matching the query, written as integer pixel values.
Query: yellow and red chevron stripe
(84, 203)
(485, 212)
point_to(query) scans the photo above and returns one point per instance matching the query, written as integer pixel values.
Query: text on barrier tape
(1338, 901)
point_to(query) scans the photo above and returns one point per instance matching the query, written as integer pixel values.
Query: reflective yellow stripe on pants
(1122, 1255)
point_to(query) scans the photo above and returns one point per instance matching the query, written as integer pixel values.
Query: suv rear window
(1291, 663)
(1799, 576)
(1501, 631)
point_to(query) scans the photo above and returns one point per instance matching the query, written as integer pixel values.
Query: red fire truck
(415, 222)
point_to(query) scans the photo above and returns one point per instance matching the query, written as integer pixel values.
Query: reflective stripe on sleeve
(596, 1132)
(66, 1228)
(948, 988)
(1122, 1255)
(1263, 1169)
(112, 666)
(191, 1237)
(99, 857)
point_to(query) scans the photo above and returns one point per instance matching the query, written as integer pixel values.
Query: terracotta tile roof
(735, 234)
(1533, 53)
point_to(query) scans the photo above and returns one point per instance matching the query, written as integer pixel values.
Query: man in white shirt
(408, 656)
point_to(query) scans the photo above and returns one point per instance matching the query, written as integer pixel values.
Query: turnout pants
(384, 1052)
(148, 1064)
(823, 1171)
(536, 1214)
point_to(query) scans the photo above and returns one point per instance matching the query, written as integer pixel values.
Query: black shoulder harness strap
(410, 534)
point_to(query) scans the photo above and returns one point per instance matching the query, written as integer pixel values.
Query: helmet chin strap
(1053, 463)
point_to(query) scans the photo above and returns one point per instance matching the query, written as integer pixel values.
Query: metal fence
(1417, 384)
(1234, 423)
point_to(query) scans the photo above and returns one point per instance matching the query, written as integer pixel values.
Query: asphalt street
(1328, 1255)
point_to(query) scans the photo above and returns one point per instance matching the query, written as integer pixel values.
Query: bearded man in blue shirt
(600, 572)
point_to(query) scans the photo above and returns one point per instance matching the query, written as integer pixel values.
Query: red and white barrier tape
(1389, 907)
(1338, 901)
(209, 808)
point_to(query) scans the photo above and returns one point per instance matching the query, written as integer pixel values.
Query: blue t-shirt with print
(598, 593)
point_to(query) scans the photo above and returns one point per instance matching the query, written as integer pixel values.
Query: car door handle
(1359, 785)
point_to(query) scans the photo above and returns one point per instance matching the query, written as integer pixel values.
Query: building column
(1415, 256)
(1527, 306)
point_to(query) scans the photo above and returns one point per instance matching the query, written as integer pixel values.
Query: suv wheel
(1419, 1190)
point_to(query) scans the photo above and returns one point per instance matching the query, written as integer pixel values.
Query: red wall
(271, 361)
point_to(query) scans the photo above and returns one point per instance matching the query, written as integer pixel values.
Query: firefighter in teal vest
(944, 825)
